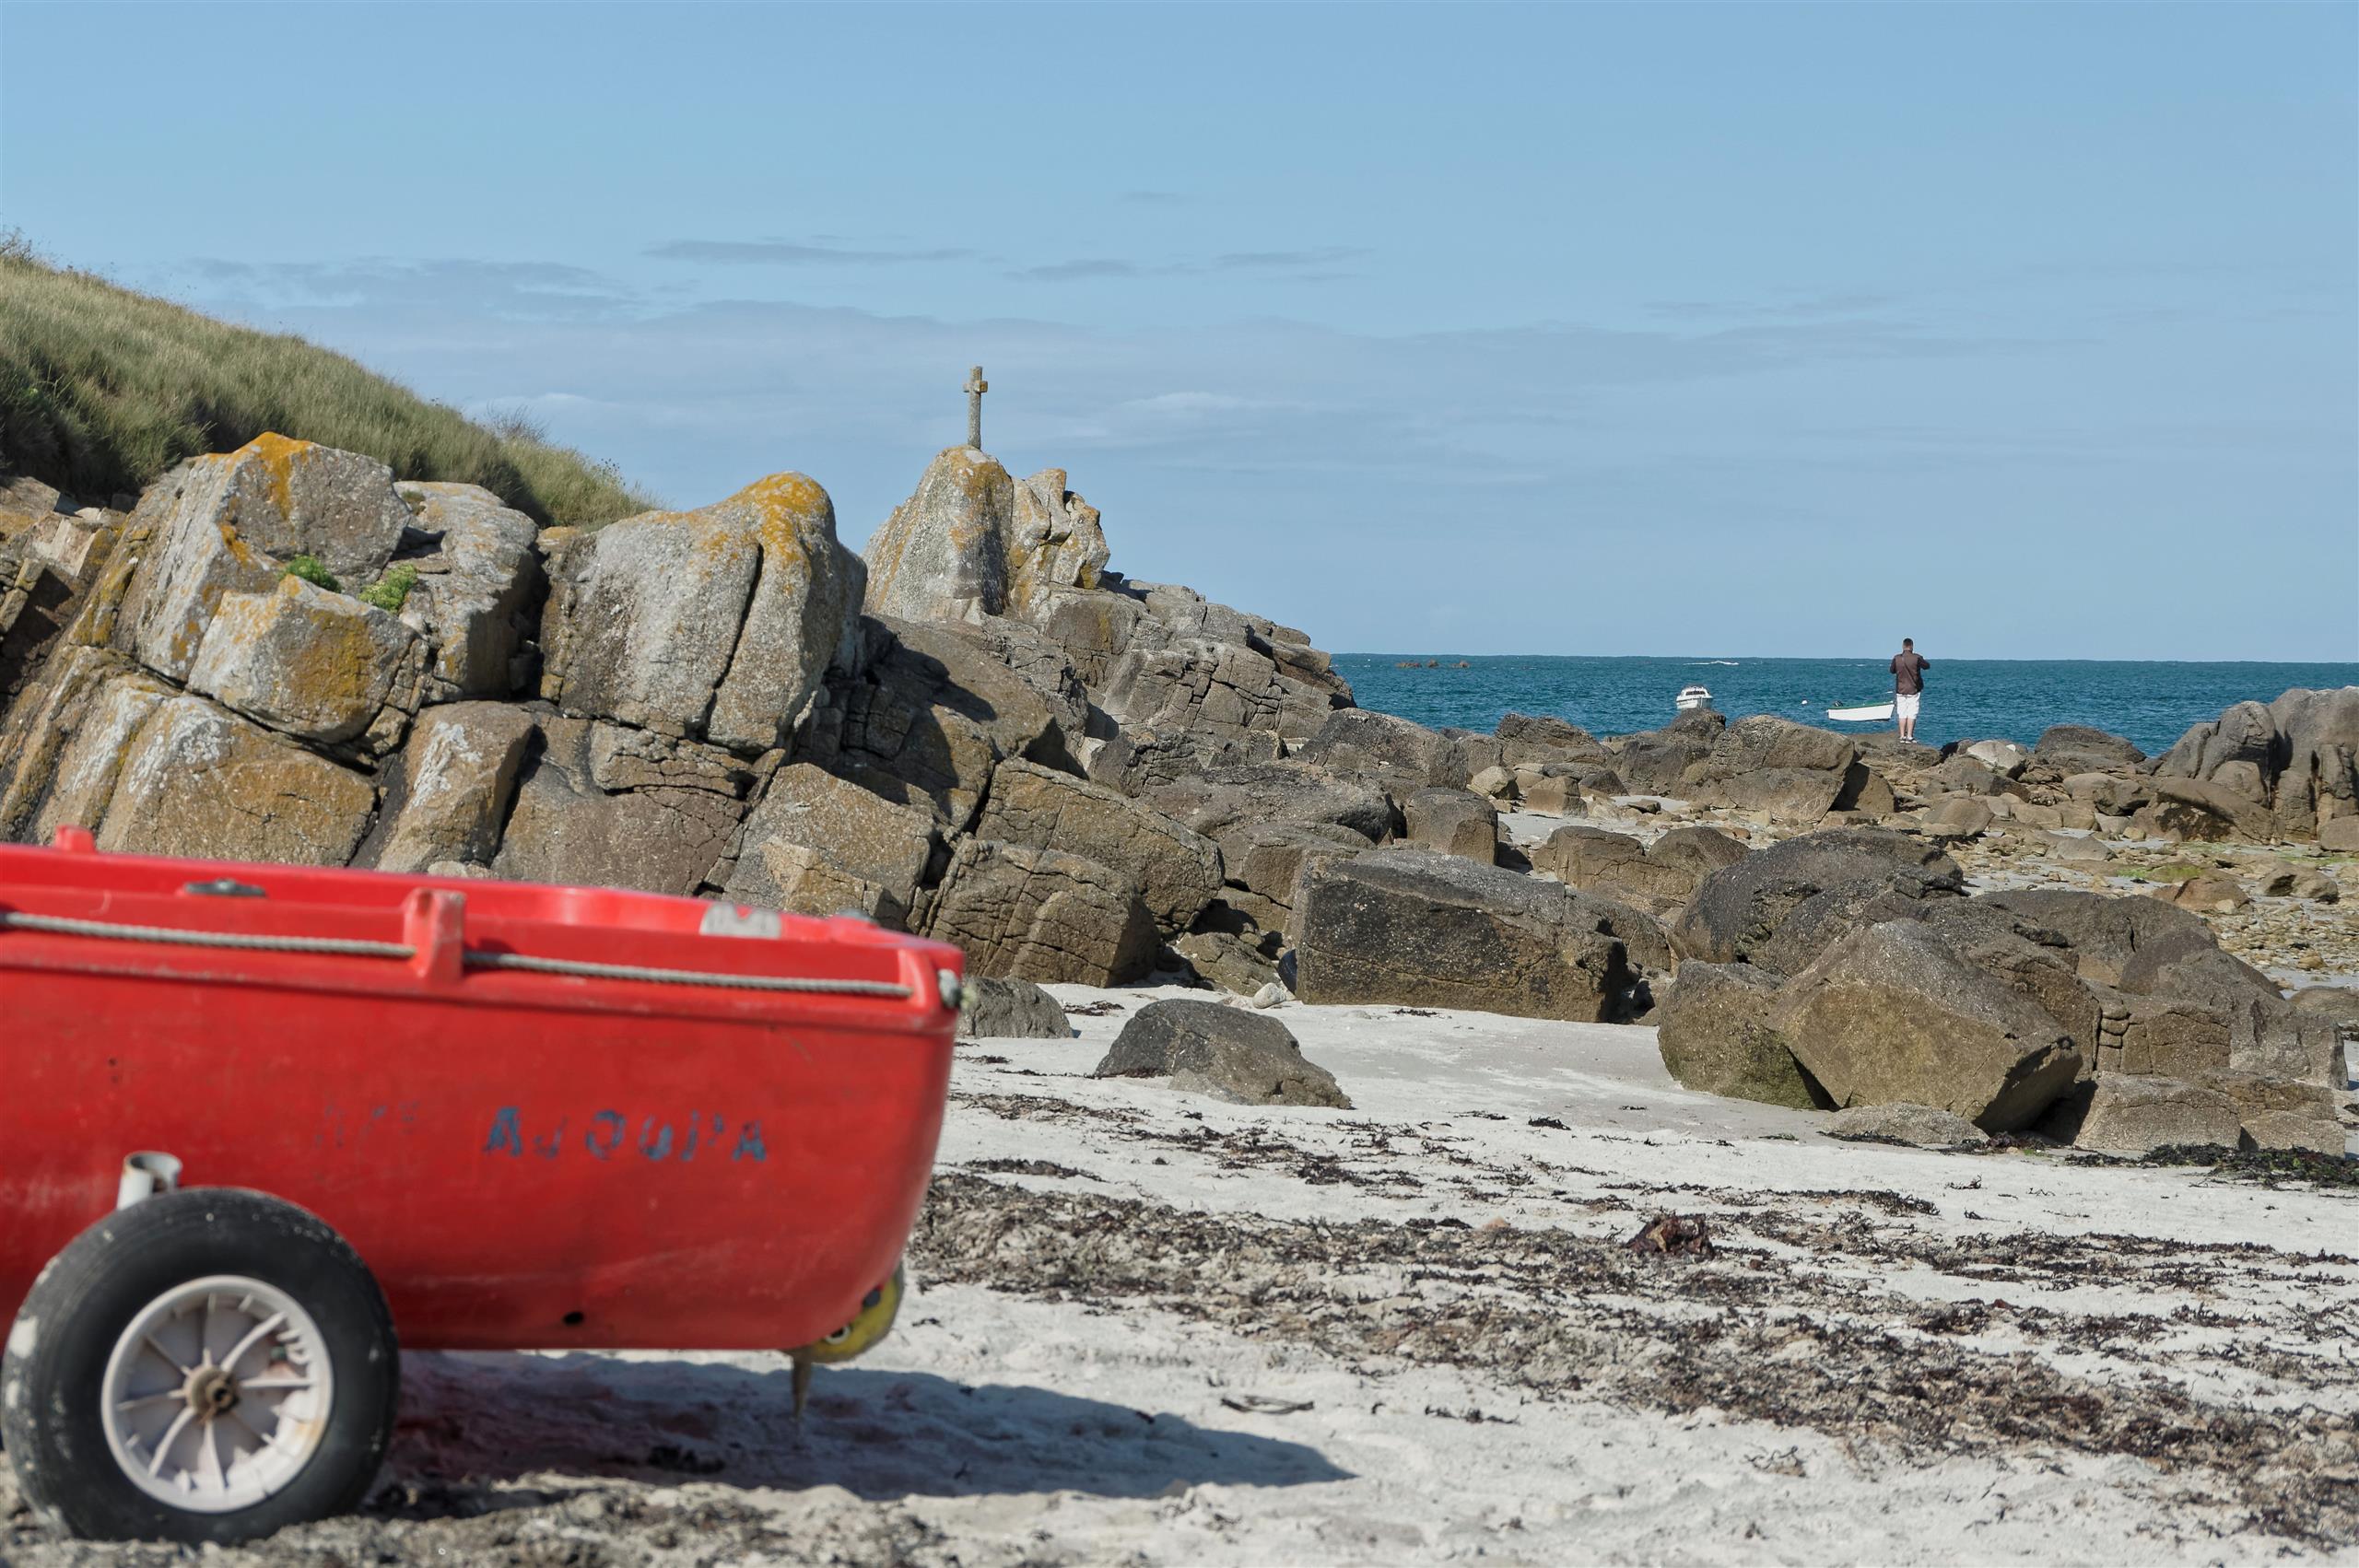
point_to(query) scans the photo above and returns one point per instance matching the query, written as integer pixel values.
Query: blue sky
(1763, 329)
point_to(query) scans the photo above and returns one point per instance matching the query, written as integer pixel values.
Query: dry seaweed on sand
(1757, 1335)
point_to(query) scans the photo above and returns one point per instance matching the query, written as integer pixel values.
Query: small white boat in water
(1870, 714)
(1693, 696)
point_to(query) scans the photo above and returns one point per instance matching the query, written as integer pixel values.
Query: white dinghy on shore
(1868, 715)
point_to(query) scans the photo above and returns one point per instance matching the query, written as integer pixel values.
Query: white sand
(1003, 1425)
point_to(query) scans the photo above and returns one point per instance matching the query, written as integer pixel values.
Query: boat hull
(524, 1160)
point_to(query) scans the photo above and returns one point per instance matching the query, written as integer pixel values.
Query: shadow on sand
(877, 1434)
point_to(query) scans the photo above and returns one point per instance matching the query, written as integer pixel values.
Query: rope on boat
(109, 931)
(682, 976)
(479, 958)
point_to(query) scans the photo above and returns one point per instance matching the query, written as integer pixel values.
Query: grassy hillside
(101, 389)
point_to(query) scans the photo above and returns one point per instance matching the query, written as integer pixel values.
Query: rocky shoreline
(978, 732)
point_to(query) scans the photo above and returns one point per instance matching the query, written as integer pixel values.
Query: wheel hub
(218, 1395)
(212, 1391)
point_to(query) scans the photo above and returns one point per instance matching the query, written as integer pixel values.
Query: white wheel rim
(218, 1395)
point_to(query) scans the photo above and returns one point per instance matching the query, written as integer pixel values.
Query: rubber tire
(88, 1295)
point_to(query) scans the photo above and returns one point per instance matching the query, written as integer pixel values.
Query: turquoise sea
(1968, 699)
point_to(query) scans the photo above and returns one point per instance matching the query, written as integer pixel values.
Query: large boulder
(451, 786)
(942, 554)
(1224, 803)
(1894, 1014)
(2204, 811)
(971, 541)
(1794, 797)
(1178, 871)
(474, 591)
(1788, 772)
(877, 843)
(1248, 1057)
(2076, 748)
(569, 828)
(713, 625)
(1656, 762)
(1358, 741)
(1196, 703)
(2294, 761)
(2028, 958)
(1659, 878)
(1765, 742)
(1779, 908)
(87, 745)
(310, 664)
(201, 782)
(1527, 738)
(1713, 1029)
(1010, 1009)
(1456, 822)
(1044, 915)
(2105, 933)
(1412, 927)
(2138, 1115)
(1267, 859)
(1054, 543)
(231, 522)
(2282, 1113)
(929, 718)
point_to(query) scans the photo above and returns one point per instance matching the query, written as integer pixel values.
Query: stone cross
(976, 388)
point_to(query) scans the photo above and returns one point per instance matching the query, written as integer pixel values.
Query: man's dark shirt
(1909, 673)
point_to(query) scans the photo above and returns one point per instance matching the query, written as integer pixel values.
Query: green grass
(103, 389)
(312, 570)
(391, 591)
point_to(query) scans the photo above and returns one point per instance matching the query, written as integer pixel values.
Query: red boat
(257, 1117)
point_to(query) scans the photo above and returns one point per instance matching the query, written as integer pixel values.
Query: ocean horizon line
(1829, 658)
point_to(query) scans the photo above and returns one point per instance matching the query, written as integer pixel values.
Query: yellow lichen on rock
(279, 456)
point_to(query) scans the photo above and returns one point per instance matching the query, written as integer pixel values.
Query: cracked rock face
(477, 587)
(716, 625)
(565, 828)
(810, 823)
(201, 782)
(1043, 914)
(310, 664)
(457, 777)
(231, 522)
(1178, 871)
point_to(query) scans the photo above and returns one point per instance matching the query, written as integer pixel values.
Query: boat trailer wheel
(207, 1365)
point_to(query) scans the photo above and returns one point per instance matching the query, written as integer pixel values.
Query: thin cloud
(1152, 198)
(1276, 261)
(777, 253)
(506, 291)
(1095, 266)
(1283, 260)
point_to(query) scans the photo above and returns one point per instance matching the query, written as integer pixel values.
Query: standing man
(1907, 686)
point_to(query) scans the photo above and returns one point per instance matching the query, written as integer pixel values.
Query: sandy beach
(1149, 1326)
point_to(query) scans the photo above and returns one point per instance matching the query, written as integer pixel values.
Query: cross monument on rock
(976, 388)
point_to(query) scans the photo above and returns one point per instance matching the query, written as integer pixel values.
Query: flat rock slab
(1927, 1127)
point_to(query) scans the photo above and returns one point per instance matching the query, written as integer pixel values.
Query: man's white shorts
(1904, 704)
